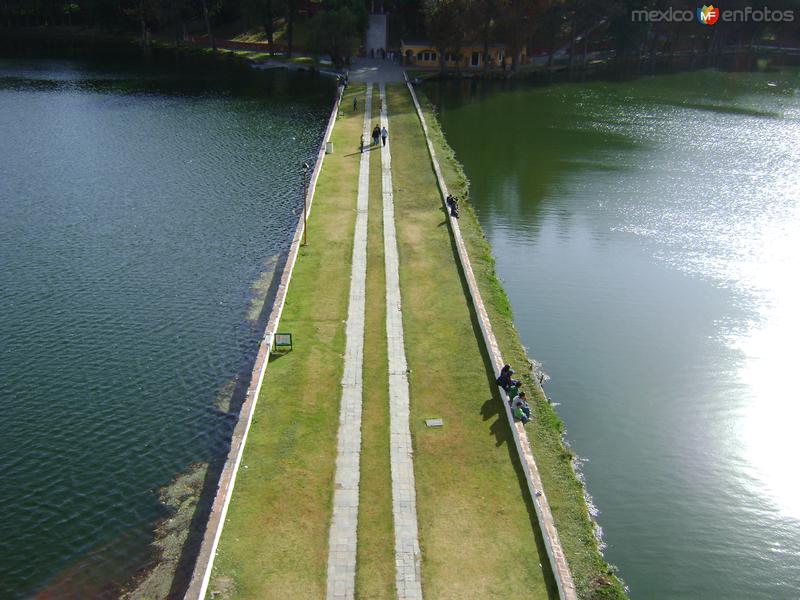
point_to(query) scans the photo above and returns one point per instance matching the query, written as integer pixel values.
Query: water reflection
(647, 235)
(138, 204)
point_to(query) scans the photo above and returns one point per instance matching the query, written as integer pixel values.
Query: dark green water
(648, 234)
(139, 203)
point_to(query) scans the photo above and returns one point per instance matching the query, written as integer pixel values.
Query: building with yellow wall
(421, 53)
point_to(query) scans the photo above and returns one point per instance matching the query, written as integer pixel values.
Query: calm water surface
(648, 234)
(139, 203)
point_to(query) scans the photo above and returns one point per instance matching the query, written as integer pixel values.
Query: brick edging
(201, 573)
(558, 561)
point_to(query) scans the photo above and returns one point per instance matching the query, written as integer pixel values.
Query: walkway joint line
(408, 578)
(342, 538)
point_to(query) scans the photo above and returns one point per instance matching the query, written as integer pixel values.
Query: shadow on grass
(493, 410)
(371, 148)
(274, 356)
(498, 429)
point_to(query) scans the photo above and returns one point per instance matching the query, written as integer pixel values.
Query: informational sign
(283, 340)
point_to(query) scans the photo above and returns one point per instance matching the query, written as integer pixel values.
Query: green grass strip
(478, 529)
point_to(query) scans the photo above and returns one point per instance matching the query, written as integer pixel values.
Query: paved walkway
(342, 539)
(344, 525)
(375, 69)
(376, 34)
(404, 497)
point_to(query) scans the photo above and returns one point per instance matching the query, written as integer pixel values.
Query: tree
(518, 17)
(338, 30)
(264, 13)
(482, 16)
(144, 13)
(446, 22)
(207, 21)
(551, 26)
(291, 15)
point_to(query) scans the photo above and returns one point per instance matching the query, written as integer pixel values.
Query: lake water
(648, 234)
(140, 206)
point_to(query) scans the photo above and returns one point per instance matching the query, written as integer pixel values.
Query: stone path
(342, 539)
(404, 498)
(375, 70)
(376, 34)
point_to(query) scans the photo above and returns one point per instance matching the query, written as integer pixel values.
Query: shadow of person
(498, 427)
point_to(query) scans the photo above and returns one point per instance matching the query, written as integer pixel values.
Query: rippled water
(139, 203)
(648, 236)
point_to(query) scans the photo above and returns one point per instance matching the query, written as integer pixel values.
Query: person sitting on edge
(454, 208)
(519, 413)
(525, 408)
(513, 390)
(504, 381)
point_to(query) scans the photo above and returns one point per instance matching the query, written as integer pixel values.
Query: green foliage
(338, 30)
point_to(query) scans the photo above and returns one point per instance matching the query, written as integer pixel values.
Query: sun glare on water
(769, 427)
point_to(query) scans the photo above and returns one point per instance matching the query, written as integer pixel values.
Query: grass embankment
(592, 574)
(275, 540)
(478, 529)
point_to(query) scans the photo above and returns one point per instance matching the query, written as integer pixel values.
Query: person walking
(355, 103)
(376, 134)
(384, 135)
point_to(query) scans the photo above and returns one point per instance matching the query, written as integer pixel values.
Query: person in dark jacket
(504, 381)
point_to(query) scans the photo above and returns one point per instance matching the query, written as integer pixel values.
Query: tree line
(576, 27)
(335, 28)
(566, 28)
